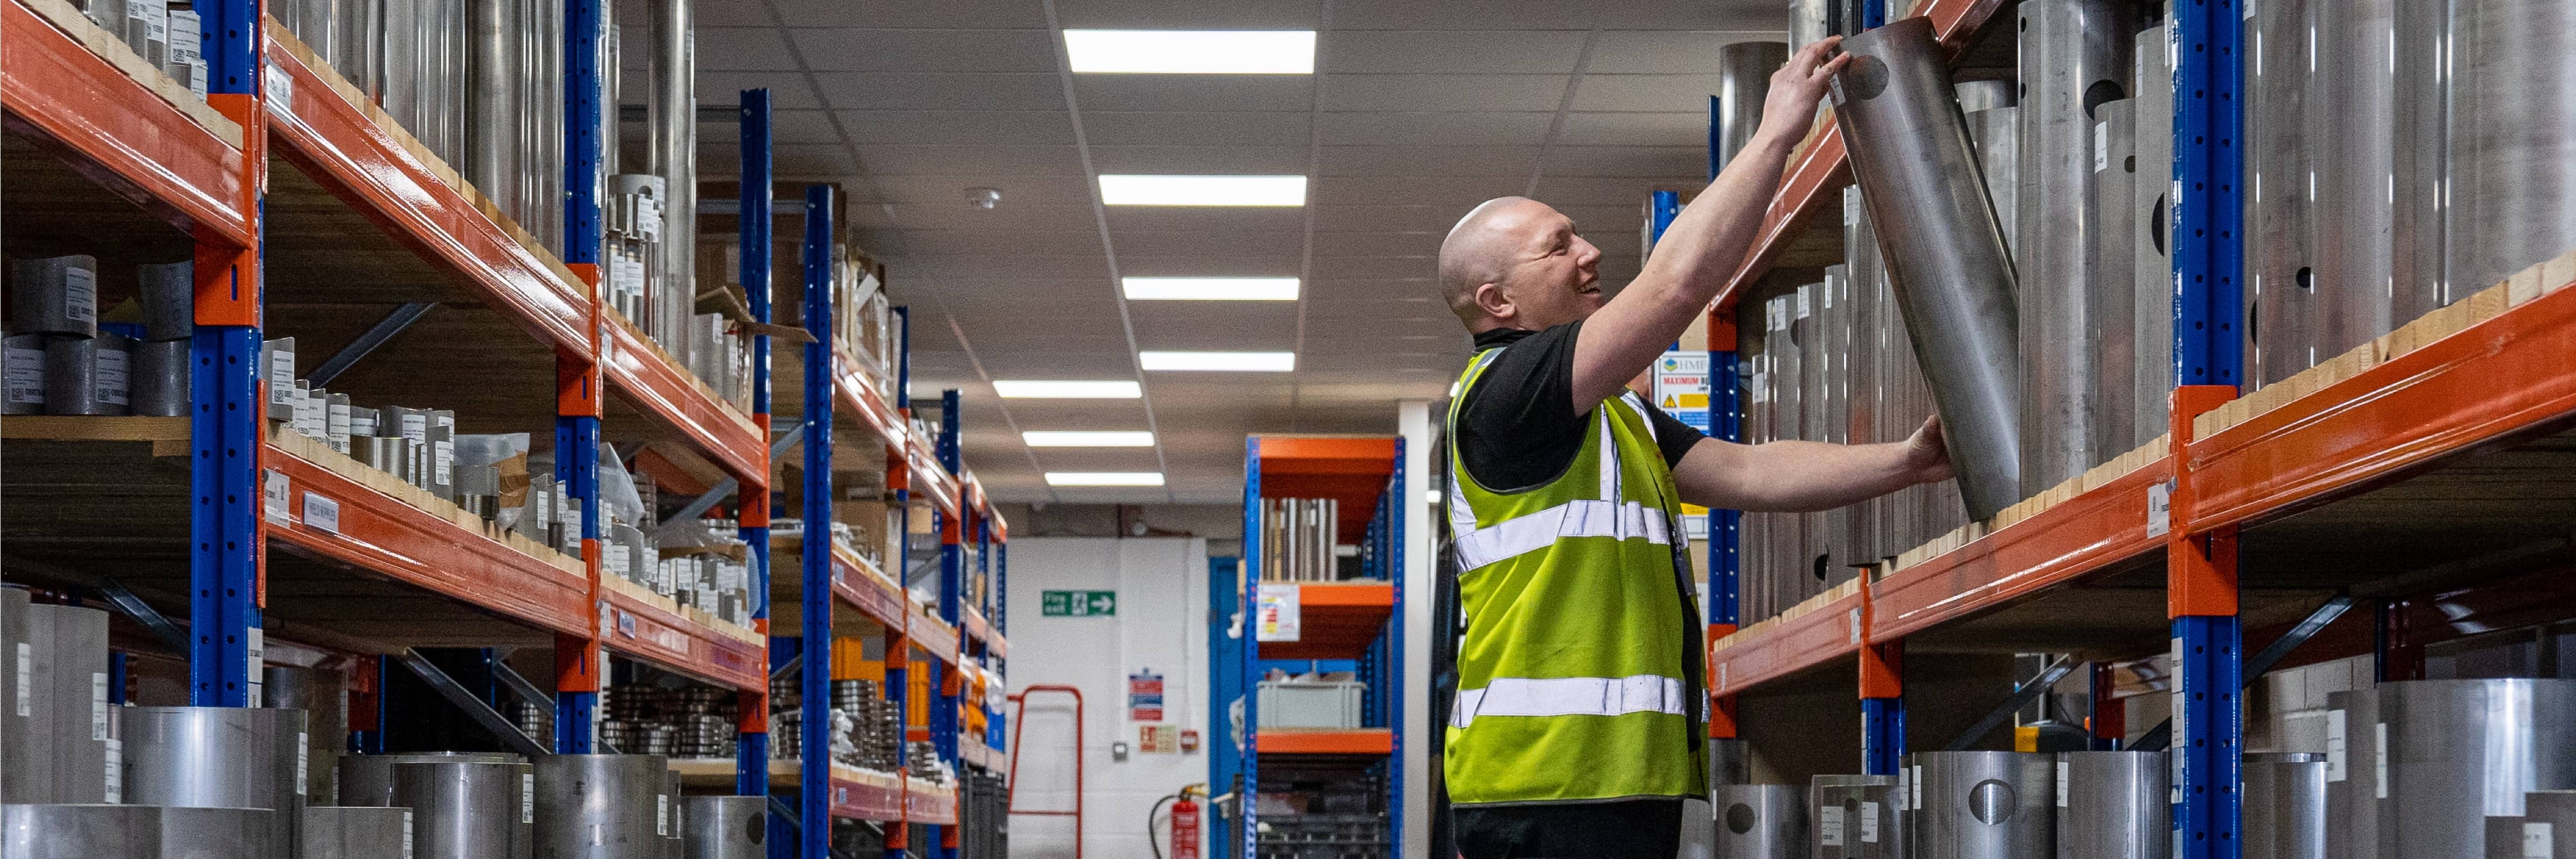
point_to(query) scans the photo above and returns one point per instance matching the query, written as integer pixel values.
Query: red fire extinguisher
(1185, 823)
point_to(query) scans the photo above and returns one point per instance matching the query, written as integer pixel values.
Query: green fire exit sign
(1079, 603)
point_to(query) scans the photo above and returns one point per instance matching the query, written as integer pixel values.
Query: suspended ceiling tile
(1665, 93)
(1427, 160)
(1189, 14)
(959, 160)
(1462, 14)
(1194, 92)
(942, 90)
(1025, 14)
(1671, 52)
(740, 49)
(943, 190)
(1241, 128)
(1050, 127)
(787, 90)
(1460, 191)
(850, 49)
(1434, 128)
(1643, 162)
(1200, 160)
(1588, 128)
(1452, 52)
(1443, 92)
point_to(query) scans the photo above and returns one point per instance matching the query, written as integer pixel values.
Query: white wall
(1162, 625)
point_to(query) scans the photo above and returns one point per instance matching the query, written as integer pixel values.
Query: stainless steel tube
(1996, 133)
(56, 831)
(2074, 56)
(672, 815)
(494, 106)
(219, 833)
(2351, 110)
(2111, 210)
(1986, 805)
(28, 777)
(2279, 235)
(401, 25)
(2285, 805)
(1835, 808)
(69, 678)
(2512, 156)
(2152, 307)
(354, 832)
(158, 378)
(2424, 73)
(1759, 821)
(463, 804)
(1743, 80)
(599, 806)
(1943, 249)
(672, 148)
(2352, 774)
(55, 295)
(200, 757)
(2113, 805)
(727, 827)
(169, 300)
(2461, 750)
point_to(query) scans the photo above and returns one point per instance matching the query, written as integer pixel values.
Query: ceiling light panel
(1192, 52)
(1119, 189)
(1239, 362)
(1068, 438)
(1210, 288)
(1104, 478)
(1040, 389)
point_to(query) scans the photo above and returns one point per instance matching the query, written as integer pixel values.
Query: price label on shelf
(321, 512)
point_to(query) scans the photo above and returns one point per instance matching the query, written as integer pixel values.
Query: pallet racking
(308, 210)
(1360, 620)
(2422, 471)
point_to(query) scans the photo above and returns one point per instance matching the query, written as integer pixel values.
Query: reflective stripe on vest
(1530, 532)
(1569, 696)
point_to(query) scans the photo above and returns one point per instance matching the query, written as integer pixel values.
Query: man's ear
(1491, 300)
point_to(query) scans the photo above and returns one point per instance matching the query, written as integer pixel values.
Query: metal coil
(169, 300)
(55, 295)
(72, 376)
(56, 831)
(159, 377)
(464, 805)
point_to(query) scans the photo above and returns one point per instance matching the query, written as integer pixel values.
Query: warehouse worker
(1578, 725)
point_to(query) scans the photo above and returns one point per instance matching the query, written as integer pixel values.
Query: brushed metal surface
(730, 827)
(27, 776)
(1986, 805)
(2279, 236)
(463, 804)
(219, 833)
(600, 807)
(2462, 750)
(70, 683)
(2512, 139)
(496, 104)
(2284, 809)
(1743, 80)
(1943, 249)
(323, 696)
(2115, 806)
(2153, 307)
(1760, 821)
(200, 757)
(55, 831)
(353, 832)
(2352, 774)
(1835, 814)
(2111, 209)
(2352, 112)
(2074, 55)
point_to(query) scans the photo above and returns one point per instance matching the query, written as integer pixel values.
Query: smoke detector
(983, 198)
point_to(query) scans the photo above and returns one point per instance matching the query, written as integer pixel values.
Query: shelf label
(527, 797)
(276, 493)
(2338, 745)
(322, 513)
(281, 88)
(2160, 508)
(1854, 619)
(303, 751)
(1682, 387)
(255, 647)
(1869, 823)
(1275, 612)
(2538, 841)
(2379, 757)
(1829, 824)
(2061, 782)
(26, 677)
(98, 705)
(115, 771)
(662, 814)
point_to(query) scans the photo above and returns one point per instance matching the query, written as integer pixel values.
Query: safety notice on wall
(1145, 696)
(1274, 611)
(1681, 387)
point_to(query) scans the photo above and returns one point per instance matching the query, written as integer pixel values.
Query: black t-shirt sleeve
(1518, 428)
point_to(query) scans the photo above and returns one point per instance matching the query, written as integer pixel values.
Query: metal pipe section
(1942, 246)
(672, 144)
(1760, 821)
(2511, 156)
(2351, 106)
(2152, 304)
(2352, 774)
(2112, 291)
(2284, 805)
(1846, 820)
(2458, 751)
(354, 832)
(600, 806)
(219, 833)
(201, 757)
(494, 110)
(323, 698)
(2278, 244)
(2113, 805)
(1743, 81)
(464, 806)
(726, 827)
(45, 831)
(28, 777)
(67, 674)
(2074, 55)
(1986, 805)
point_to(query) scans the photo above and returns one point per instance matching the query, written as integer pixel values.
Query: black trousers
(1639, 828)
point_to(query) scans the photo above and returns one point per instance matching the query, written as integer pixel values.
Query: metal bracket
(134, 607)
(2160, 737)
(725, 488)
(402, 317)
(2022, 695)
(474, 707)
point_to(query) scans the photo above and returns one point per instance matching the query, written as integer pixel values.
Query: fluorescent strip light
(1036, 389)
(1210, 288)
(1104, 478)
(1246, 362)
(1192, 52)
(1136, 190)
(1038, 438)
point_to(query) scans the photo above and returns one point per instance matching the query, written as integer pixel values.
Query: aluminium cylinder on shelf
(463, 804)
(2353, 774)
(55, 295)
(2152, 305)
(2074, 55)
(1836, 815)
(2280, 124)
(323, 696)
(671, 147)
(671, 815)
(2111, 211)
(29, 770)
(1743, 81)
(1943, 249)
(1861, 524)
(22, 359)
(496, 105)
(599, 806)
(2284, 810)
(92, 831)
(69, 677)
(354, 832)
(1986, 805)
(201, 757)
(2548, 827)
(193, 832)
(168, 300)
(158, 378)
(2424, 75)
(398, 61)
(2461, 750)
(2351, 109)
(726, 827)
(1996, 134)
(1759, 821)
(2511, 153)
(2113, 806)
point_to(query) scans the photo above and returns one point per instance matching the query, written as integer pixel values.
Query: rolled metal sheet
(1743, 81)
(2114, 806)
(55, 295)
(28, 776)
(2461, 750)
(494, 106)
(599, 806)
(2284, 808)
(354, 832)
(69, 676)
(59, 831)
(1986, 805)
(671, 815)
(731, 827)
(23, 363)
(1760, 821)
(189, 832)
(465, 809)
(672, 147)
(1864, 534)
(2512, 156)
(2351, 107)
(2111, 210)
(368, 780)
(2074, 55)
(2280, 252)
(200, 757)
(2152, 307)
(72, 376)
(2548, 818)
(159, 378)
(2352, 774)
(169, 300)
(1943, 249)
(1838, 816)
(2422, 111)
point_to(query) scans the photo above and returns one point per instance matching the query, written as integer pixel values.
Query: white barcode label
(1851, 208)
(1869, 823)
(406, 833)
(2101, 146)
(255, 649)
(1904, 789)
(1829, 825)
(276, 492)
(1916, 786)
(2379, 757)
(2338, 747)
(527, 797)
(26, 376)
(113, 378)
(444, 452)
(115, 771)
(80, 294)
(98, 705)
(662, 814)
(1805, 306)
(2061, 782)
(281, 88)
(26, 677)
(415, 426)
(2538, 842)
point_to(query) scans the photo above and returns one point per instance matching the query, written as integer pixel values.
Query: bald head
(1480, 249)
(1514, 262)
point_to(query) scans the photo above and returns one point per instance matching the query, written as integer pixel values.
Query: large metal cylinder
(2111, 210)
(2458, 751)
(323, 696)
(1760, 821)
(2152, 305)
(2113, 805)
(2351, 112)
(464, 806)
(68, 676)
(1943, 249)
(2353, 774)
(1743, 81)
(1844, 822)
(2547, 827)
(2074, 56)
(496, 105)
(50, 831)
(28, 776)
(2424, 71)
(2284, 809)
(600, 806)
(1986, 805)
(354, 832)
(200, 757)
(732, 827)
(220, 833)
(671, 145)
(55, 295)
(2512, 155)
(2279, 253)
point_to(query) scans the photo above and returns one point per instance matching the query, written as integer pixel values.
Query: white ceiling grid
(1418, 110)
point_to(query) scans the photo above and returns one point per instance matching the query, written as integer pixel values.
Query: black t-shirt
(1518, 428)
